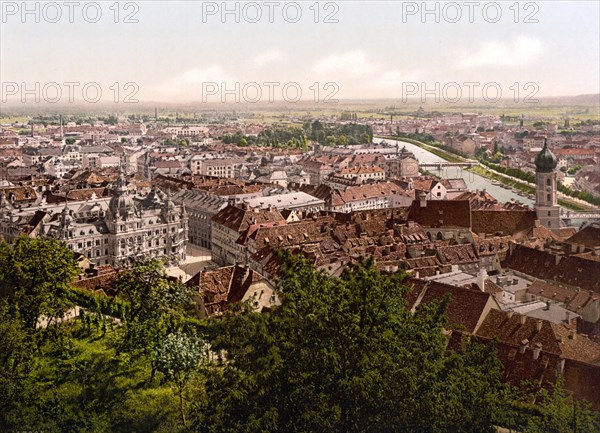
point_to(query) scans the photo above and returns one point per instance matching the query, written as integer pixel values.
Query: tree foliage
(36, 274)
(179, 357)
(339, 355)
(560, 414)
(345, 355)
(155, 304)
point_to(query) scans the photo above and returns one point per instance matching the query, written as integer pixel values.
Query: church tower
(546, 202)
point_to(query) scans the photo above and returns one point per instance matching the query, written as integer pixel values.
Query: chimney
(422, 199)
(523, 346)
(537, 348)
(572, 335)
(510, 313)
(561, 365)
(547, 307)
(538, 325)
(522, 319)
(567, 316)
(481, 276)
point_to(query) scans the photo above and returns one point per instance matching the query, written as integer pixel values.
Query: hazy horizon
(196, 52)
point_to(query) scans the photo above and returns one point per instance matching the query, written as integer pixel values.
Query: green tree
(17, 359)
(37, 274)
(560, 414)
(346, 355)
(179, 357)
(156, 305)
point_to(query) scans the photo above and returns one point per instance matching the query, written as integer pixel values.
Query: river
(473, 181)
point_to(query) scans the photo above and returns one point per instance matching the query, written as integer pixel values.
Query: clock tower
(546, 202)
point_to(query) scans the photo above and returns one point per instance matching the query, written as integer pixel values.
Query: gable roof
(504, 221)
(571, 270)
(466, 308)
(223, 286)
(239, 219)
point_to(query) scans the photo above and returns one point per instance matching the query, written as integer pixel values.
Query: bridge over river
(440, 165)
(564, 213)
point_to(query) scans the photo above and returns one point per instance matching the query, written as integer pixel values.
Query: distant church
(546, 201)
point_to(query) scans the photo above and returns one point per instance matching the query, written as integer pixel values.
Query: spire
(545, 161)
(122, 179)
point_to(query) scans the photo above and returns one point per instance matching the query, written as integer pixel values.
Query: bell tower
(546, 202)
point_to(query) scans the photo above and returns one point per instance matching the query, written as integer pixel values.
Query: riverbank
(521, 186)
(517, 185)
(432, 149)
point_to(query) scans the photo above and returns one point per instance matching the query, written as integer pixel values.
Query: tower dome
(121, 204)
(545, 161)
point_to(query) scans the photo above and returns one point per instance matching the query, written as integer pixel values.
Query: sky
(205, 51)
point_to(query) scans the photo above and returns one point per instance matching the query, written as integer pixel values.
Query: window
(549, 213)
(548, 182)
(548, 197)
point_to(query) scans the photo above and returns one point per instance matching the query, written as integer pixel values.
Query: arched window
(439, 236)
(548, 182)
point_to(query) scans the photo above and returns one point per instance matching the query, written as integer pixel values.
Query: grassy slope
(82, 382)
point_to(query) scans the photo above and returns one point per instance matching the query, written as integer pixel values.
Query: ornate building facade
(116, 231)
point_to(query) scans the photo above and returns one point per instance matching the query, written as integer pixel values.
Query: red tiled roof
(465, 309)
(571, 270)
(506, 222)
(441, 213)
(551, 291)
(239, 219)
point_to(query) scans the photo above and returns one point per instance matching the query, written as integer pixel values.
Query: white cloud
(351, 64)
(521, 51)
(360, 77)
(392, 80)
(268, 58)
(188, 86)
